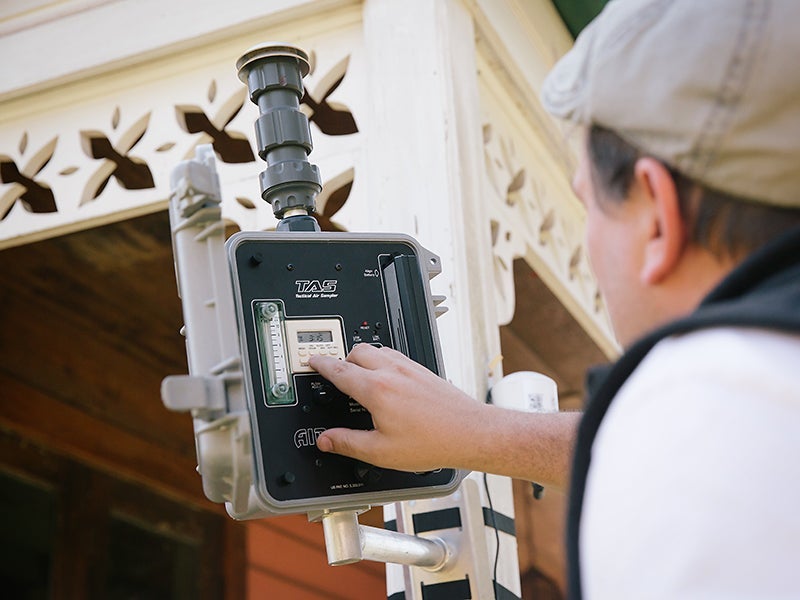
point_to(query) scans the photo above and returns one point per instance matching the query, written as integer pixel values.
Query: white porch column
(423, 171)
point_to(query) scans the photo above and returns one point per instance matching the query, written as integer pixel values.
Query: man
(686, 474)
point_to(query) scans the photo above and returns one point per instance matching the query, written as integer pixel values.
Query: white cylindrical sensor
(526, 391)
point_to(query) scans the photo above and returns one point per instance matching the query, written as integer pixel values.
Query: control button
(287, 478)
(367, 473)
(324, 393)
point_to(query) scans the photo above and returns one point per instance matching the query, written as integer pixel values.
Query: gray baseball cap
(711, 87)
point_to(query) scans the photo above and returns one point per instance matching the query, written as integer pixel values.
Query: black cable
(496, 533)
(492, 517)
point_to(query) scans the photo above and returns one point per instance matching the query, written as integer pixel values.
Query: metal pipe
(342, 539)
(389, 546)
(347, 541)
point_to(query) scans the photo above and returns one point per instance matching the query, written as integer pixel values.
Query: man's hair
(726, 225)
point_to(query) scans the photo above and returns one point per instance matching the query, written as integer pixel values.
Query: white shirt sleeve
(694, 485)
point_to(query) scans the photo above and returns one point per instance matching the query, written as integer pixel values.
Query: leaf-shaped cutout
(575, 259)
(337, 199)
(487, 133)
(598, 301)
(191, 118)
(333, 78)
(165, 147)
(95, 144)
(134, 133)
(248, 204)
(39, 160)
(495, 231)
(23, 143)
(331, 117)
(115, 118)
(227, 112)
(68, 171)
(7, 202)
(548, 222)
(212, 90)
(574, 262)
(335, 193)
(97, 182)
(518, 181)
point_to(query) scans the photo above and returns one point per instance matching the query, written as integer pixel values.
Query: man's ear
(666, 238)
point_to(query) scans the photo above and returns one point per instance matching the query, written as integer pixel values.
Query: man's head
(725, 225)
(692, 148)
(657, 240)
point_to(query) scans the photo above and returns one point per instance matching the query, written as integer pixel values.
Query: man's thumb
(347, 442)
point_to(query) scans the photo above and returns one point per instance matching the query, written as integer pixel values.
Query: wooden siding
(286, 559)
(88, 329)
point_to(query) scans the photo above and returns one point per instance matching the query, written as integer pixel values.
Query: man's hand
(419, 418)
(422, 423)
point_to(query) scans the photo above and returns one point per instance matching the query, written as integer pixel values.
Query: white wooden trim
(76, 40)
(115, 105)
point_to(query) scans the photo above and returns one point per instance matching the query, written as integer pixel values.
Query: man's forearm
(530, 446)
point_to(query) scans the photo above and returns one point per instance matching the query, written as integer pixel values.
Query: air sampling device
(258, 305)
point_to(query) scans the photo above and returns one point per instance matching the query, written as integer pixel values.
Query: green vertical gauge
(272, 353)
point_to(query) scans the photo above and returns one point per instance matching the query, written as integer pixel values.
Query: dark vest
(762, 292)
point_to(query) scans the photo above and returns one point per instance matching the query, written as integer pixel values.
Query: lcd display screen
(314, 337)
